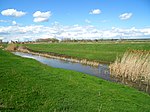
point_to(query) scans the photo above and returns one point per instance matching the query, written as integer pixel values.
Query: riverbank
(90, 54)
(27, 85)
(24, 49)
(100, 52)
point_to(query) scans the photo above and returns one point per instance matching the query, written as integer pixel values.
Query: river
(101, 71)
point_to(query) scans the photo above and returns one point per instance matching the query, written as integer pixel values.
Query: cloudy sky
(77, 19)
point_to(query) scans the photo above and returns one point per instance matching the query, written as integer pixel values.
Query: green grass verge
(99, 52)
(27, 85)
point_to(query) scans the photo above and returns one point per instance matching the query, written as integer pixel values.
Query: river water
(101, 71)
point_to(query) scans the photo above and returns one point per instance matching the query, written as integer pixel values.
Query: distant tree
(52, 40)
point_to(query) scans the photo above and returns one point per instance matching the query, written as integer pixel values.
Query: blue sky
(68, 18)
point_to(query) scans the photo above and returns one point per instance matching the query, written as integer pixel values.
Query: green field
(98, 51)
(27, 85)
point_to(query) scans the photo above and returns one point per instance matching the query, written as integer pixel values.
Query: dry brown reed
(134, 66)
(11, 47)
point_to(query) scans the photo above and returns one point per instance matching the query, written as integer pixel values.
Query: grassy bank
(27, 85)
(98, 51)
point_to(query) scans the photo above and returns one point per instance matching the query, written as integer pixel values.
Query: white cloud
(40, 20)
(10, 22)
(2, 38)
(14, 23)
(3, 21)
(41, 16)
(125, 16)
(59, 31)
(87, 21)
(95, 11)
(12, 12)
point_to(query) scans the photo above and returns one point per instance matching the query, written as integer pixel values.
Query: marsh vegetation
(133, 67)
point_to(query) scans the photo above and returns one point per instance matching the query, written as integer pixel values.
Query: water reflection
(101, 71)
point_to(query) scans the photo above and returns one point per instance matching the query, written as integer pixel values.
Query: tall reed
(134, 66)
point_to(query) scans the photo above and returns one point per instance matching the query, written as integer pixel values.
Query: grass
(98, 51)
(134, 66)
(27, 85)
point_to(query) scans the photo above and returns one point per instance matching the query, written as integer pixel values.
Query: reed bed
(134, 67)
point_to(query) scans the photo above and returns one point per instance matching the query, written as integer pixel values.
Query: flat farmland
(106, 52)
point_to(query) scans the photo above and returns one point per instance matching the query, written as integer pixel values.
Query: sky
(25, 20)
